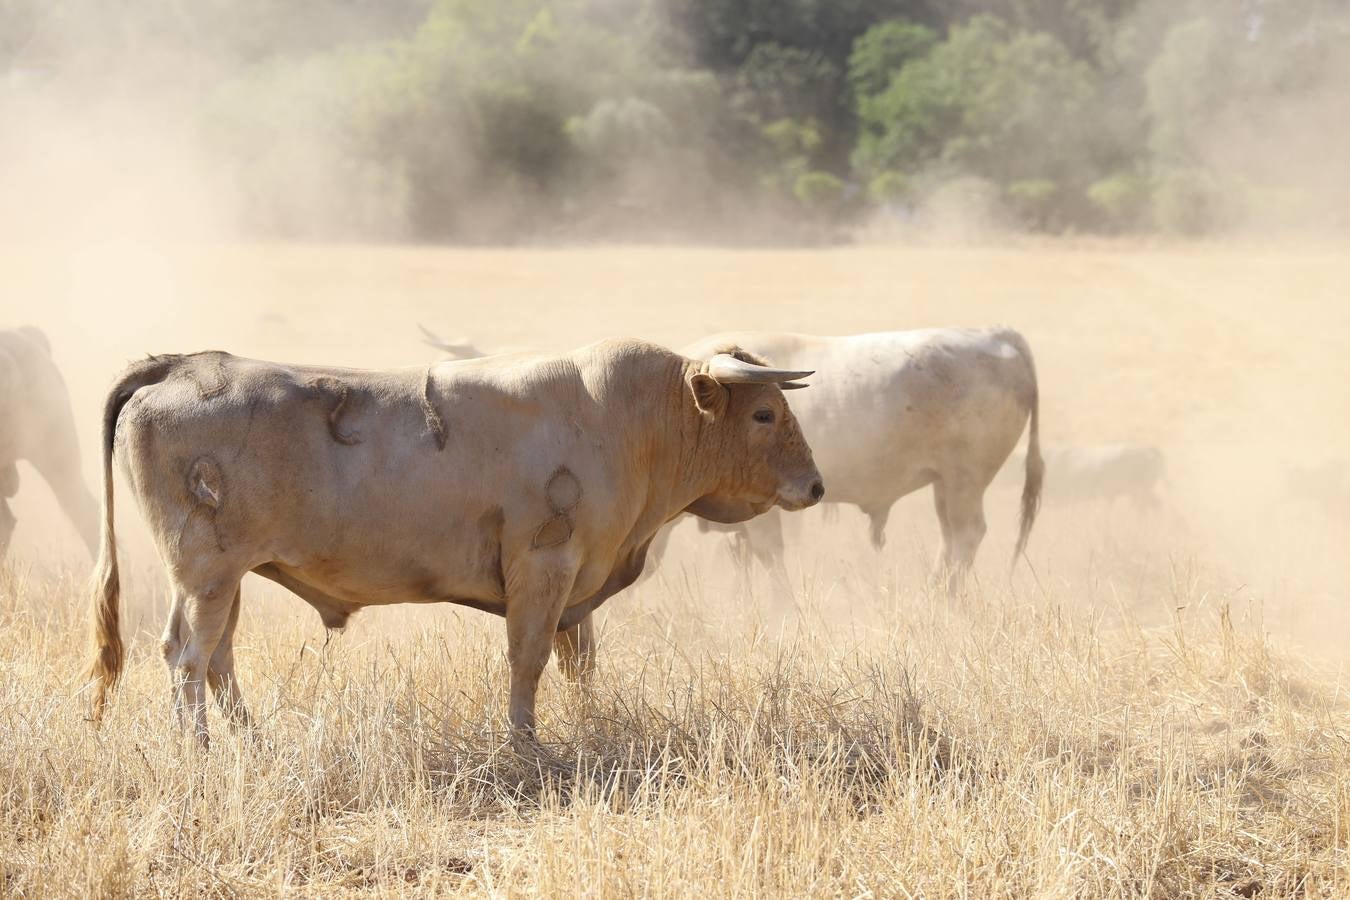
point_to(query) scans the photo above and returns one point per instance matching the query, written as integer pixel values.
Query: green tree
(881, 52)
(990, 101)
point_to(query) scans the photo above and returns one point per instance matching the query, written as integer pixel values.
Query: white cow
(1326, 486)
(894, 412)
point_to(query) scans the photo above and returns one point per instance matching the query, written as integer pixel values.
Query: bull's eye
(764, 416)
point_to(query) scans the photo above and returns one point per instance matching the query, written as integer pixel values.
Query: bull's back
(282, 446)
(374, 487)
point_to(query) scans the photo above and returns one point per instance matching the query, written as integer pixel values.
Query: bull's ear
(710, 395)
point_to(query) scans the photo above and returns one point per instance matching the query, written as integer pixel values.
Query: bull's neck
(678, 445)
(671, 451)
(700, 446)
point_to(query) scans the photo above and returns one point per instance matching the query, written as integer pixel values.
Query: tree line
(787, 119)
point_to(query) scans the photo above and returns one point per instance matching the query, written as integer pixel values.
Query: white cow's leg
(576, 650)
(765, 543)
(943, 566)
(220, 673)
(7, 523)
(877, 517)
(740, 543)
(537, 589)
(203, 612)
(965, 517)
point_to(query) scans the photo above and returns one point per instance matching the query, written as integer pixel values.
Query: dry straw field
(1158, 709)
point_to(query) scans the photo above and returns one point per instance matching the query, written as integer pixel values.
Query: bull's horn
(730, 370)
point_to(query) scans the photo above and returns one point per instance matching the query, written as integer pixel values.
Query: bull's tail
(109, 653)
(1035, 468)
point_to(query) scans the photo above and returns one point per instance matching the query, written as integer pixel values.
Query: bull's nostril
(817, 491)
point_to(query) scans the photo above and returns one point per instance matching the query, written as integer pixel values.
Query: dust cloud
(123, 232)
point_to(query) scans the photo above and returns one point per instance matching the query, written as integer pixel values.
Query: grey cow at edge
(37, 427)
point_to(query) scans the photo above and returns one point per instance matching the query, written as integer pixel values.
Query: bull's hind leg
(200, 614)
(537, 588)
(220, 674)
(171, 648)
(576, 650)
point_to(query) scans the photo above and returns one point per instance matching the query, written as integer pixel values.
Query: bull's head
(762, 458)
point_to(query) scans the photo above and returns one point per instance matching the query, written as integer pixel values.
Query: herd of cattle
(533, 486)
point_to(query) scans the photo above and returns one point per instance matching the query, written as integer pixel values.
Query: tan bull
(529, 486)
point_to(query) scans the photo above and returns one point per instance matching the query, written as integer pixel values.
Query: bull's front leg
(537, 591)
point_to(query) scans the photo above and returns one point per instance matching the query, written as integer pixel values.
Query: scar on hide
(333, 390)
(206, 484)
(563, 493)
(209, 377)
(435, 424)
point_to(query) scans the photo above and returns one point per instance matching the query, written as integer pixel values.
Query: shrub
(889, 187)
(819, 192)
(1032, 200)
(1191, 202)
(1119, 200)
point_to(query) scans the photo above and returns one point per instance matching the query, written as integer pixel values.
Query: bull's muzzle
(807, 492)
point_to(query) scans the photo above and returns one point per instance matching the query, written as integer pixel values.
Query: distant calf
(36, 426)
(1103, 473)
(1326, 486)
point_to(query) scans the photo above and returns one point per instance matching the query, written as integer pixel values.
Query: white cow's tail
(1035, 470)
(109, 654)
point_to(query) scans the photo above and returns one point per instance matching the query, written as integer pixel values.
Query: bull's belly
(364, 584)
(336, 589)
(386, 562)
(337, 585)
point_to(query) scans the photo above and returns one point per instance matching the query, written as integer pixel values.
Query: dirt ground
(1154, 706)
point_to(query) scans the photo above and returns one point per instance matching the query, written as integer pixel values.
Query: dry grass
(1140, 719)
(999, 745)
